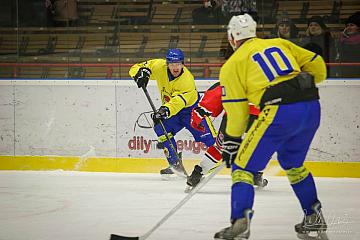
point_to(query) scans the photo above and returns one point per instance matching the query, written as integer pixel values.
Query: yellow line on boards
(153, 165)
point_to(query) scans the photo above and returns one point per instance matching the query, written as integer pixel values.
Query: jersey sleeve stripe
(235, 100)
(183, 99)
(314, 57)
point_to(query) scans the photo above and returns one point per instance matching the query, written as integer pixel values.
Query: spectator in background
(285, 28)
(349, 46)
(220, 11)
(209, 13)
(49, 12)
(318, 38)
(235, 7)
(65, 13)
(350, 38)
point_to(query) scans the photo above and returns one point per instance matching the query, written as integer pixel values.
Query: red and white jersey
(211, 101)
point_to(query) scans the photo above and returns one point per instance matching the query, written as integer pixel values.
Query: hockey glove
(230, 149)
(161, 114)
(142, 77)
(197, 115)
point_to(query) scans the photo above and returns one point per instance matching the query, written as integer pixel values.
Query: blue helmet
(174, 55)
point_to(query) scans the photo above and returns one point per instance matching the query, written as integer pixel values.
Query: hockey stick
(162, 125)
(172, 211)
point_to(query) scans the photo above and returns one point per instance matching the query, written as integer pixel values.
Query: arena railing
(111, 66)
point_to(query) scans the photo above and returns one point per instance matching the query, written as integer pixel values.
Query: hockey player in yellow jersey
(179, 96)
(279, 77)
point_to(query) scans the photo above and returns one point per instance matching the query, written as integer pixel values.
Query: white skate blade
(188, 189)
(319, 236)
(179, 173)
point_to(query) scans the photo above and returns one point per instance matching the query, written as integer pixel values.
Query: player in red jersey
(210, 105)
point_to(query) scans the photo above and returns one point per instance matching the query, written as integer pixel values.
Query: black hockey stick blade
(118, 237)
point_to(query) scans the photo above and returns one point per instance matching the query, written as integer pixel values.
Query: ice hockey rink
(43, 205)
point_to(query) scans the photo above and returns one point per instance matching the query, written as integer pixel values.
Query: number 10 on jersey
(274, 64)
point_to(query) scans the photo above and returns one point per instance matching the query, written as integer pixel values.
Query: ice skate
(167, 174)
(313, 227)
(174, 170)
(259, 181)
(239, 229)
(178, 169)
(194, 179)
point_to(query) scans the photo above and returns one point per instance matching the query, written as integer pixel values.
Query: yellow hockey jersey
(256, 65)
(177, 93)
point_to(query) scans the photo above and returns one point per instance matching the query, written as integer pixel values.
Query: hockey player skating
(279, 77)
(178, 96)
(210, 105)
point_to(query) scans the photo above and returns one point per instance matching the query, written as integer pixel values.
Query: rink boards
(88, 125)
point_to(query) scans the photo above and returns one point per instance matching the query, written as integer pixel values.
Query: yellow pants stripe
(242, 176)
(254, 135)
(297, 175)
(163, 138)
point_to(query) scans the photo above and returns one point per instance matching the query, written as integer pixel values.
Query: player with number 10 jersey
(280, 78)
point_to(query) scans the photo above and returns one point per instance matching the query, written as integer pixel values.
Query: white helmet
(241, 27)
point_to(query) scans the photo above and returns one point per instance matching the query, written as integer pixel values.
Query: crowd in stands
(334, 47)
(344, 47)
(318, 39)
(39, 13)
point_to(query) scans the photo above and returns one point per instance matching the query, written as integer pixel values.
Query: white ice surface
(62, 205)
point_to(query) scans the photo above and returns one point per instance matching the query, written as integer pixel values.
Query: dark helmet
(174, 55)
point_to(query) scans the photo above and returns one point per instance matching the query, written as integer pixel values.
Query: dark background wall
(32, 13)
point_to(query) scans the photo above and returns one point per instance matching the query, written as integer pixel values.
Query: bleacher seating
(348, 7)
(128, 31)
(111, 12)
